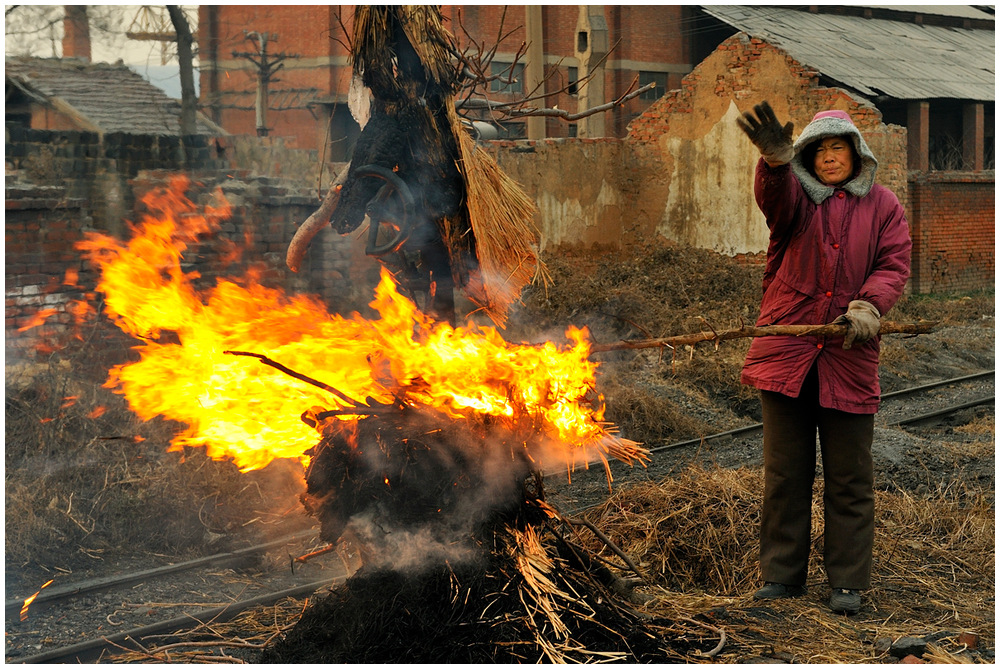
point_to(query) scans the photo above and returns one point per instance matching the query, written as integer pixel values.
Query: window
(572, 78)
(508, 78)
(658, 78)
(512, 131)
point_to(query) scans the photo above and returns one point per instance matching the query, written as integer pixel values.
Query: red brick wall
(648, 37)
(44, 271)
(44, 274)
(311, 32)
(953, 223)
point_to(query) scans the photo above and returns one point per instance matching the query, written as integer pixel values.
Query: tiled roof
(107, 97)
(899, 59)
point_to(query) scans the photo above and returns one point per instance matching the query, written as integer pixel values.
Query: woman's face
(834, 162)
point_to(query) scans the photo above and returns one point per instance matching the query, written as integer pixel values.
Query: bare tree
(475, 64)
(37, 30)
(185, 59)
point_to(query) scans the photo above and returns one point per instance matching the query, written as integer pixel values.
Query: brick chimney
(76, 33)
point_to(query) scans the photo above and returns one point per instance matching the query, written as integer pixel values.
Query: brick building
(308, 94)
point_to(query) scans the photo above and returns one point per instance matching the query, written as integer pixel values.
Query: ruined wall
(954, 231)
(704, 178)
(685, 171)
(580, 187)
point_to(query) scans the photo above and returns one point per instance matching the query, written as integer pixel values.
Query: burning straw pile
(430, 437)
(464, 559)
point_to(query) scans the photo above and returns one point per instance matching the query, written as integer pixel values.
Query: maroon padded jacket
(827, 246)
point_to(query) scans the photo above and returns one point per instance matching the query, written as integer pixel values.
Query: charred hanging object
(404, 173)
(467, 225)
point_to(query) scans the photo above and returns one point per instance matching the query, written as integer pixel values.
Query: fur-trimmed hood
(834, 124)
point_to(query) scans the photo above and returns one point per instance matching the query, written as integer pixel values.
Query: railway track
(897, 395)
(101, 644)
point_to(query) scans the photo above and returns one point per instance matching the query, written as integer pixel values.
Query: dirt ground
(81, 490)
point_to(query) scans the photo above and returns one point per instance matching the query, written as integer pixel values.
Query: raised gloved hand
(862, 321)
(773, 140)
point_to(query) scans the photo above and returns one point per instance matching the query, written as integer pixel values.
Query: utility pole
(267, 65)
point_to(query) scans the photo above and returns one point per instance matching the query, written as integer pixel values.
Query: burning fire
(28, 600)
(237, 408)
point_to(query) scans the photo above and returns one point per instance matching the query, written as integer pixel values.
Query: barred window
(658, 78)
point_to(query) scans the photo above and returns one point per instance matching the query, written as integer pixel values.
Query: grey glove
(862, 321)
(766, 132)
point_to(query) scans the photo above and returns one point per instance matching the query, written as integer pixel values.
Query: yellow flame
(32, 598)
(237, 408)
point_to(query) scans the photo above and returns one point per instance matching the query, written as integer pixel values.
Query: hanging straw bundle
(502, 219)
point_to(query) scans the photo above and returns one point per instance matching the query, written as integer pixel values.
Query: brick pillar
(973, 131)
(918, 135)
(76, 33)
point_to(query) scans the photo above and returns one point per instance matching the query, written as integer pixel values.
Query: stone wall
(97, 167)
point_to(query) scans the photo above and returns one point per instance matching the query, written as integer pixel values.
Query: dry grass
(220, 642)
(697, 535)
(85, 479)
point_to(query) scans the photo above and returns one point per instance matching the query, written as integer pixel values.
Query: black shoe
(779, 591)
(845, 601)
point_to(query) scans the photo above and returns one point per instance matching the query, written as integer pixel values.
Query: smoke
(418, 485)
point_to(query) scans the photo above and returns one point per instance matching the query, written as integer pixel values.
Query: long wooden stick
(829, 330)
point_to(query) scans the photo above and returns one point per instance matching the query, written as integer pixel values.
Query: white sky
(145, 57)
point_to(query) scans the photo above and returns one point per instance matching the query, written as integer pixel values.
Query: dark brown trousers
(790, 428)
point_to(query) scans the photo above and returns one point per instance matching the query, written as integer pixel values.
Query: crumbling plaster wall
(705, 182)
(579, 186)
(685, 171)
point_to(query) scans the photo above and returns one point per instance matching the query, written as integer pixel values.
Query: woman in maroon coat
(839, 251)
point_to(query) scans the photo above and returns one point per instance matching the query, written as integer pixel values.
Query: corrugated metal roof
(877, 56)
(961, 11)
(111, 97)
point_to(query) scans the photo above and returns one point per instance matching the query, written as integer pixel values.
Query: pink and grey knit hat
(833, 123)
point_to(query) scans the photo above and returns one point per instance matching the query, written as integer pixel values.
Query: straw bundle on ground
(697, 536)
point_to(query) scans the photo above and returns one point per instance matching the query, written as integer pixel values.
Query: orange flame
(240, 409)
(29, 600)
(39, 318)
